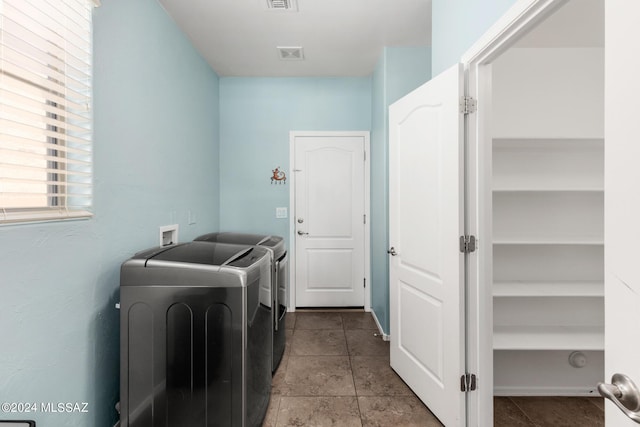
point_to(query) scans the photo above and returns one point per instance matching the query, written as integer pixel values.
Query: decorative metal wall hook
(278, 177)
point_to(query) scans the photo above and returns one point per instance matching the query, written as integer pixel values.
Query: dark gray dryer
(278, 291)
(194, 337)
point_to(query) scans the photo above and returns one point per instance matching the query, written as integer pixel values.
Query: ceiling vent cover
(287, 5)
(291, 53)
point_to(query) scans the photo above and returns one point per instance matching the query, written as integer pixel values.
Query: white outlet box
(281, 212)
(168, 235)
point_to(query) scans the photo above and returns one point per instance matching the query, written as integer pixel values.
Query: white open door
(425, 223)
(622, 207)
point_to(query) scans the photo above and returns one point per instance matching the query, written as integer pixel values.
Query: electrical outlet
(281, 212)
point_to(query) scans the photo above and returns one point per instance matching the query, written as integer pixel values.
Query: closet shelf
(549, 289)
(518, 144)
(548, 338)
(555, 165)
(515, 187)
(547, 240)
(547, 221)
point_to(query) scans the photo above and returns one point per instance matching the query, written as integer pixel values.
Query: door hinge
(364, 218)
(365, 283)
(467, 244)
(468, 382)
(365, 156)
(468, 105)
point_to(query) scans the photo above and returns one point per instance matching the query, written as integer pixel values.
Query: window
(45, 115)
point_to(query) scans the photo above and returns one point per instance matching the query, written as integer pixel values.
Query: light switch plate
(192, 218)
(281, 212)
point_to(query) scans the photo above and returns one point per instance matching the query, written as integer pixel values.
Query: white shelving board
(548, 338)
(548, 165)
(515, 186)
(550, 289)
(535, 216)
(548, 218)
(537, 373)
(548, 262)
(542, 239)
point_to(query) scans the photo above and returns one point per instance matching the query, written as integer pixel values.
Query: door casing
(292, 214)
(517, 21)
(622, 201)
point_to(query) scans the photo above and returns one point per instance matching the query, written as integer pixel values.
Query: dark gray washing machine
(278, 291)
(194, 337)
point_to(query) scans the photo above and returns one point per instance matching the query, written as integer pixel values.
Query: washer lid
(237, 238)
(275, 243)
(271, 241)
(206, 253)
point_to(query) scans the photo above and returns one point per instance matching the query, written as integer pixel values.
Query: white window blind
(45, 115)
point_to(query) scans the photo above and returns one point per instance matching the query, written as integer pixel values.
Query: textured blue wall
(156, 158)
(256, 116)
(398, 71)
(458, 24)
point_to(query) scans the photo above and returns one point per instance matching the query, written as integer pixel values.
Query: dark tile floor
(548, 411)
(335, 372)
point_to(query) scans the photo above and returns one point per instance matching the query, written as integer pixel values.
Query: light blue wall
(256, 115)
(156, 157)
(379, 195)
(458, 24)
(398, 71)
(407, 68)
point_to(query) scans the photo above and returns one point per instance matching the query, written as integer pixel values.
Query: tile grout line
(359, 326)
(275, 423)
(591, 399)
(353, 375)
(535, 423)
(284, 365)
(348, 354)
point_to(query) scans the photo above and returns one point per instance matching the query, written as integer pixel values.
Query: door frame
(292, 210)
(522, 17)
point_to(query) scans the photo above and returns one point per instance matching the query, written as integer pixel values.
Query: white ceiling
(339, 37)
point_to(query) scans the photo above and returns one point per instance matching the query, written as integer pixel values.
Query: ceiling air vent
(285, 5)
(290, 53)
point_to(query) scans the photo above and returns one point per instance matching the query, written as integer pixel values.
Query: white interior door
(329, 220)
(622, 198)
(425, 223)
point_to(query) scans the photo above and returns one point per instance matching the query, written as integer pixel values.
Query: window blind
(45, 110)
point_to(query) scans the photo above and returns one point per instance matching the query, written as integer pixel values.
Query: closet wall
(548, 250)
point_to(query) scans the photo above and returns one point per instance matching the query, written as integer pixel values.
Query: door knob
(301, 233)
(392, 251)
(624, 393)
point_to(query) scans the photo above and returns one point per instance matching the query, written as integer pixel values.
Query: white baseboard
(545, 391)
(384, 336)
